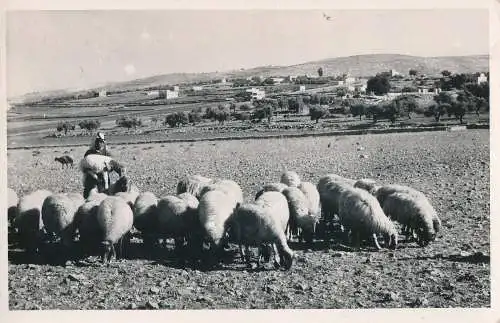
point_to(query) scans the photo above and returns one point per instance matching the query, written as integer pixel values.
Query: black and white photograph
(248, 158)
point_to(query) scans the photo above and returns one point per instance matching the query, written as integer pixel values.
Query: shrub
(129, 122)
(65, 126)
(246, 107)
(89, 124)
(176, 119)
(358, 110)
(378, 84)
(317, 112)
(194, 117)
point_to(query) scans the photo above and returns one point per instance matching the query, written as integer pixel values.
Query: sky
(79, 49)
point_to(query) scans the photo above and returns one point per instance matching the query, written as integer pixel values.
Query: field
(453, 271)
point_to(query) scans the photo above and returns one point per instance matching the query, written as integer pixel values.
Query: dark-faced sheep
(302, 221)
(64, 160)
(12, 201)
(271, 187)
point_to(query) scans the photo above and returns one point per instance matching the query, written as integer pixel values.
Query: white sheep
(95, 164)
(230, 187)
(58, 212)
(277, 205)
(145, 217)
(176, 218)
(360, 212)
(85, 222)
(254, 225)
(329, 188)
(302, 220)
(28, 221)
(129, 197)
(193, 184)
(214, 209)
(271, 187)
(312, 195)
(415, 213)
(115, 220)
(383, 191)
(12, 201)
(290, 178)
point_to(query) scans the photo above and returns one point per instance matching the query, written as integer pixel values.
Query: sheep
(95, 164)
(302, 220)
(85, 221)
(272, 187)
(115, 220)
(123, 184)
(277, 204)
(367, 184)
(190, 199)
(64, 160)
(214, 209)
(329, 188)
(28, 220)
(231, 188)
(193, 184)
(129, 197)
(312, 195)
(254, 225)
(176, 218)
(360, 212)
(382, 192)
(145, 217)
(58, 212)
(290, 178)
(415, 213)
(12, 201)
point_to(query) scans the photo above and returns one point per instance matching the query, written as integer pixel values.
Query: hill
(357, 65)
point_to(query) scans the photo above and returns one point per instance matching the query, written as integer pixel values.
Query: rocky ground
(452, 168)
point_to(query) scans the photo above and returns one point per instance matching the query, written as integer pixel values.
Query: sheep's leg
(247, 256)
(242, 253)
(277, 256)
(375, 241)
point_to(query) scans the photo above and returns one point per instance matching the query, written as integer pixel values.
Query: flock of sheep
(205, 215)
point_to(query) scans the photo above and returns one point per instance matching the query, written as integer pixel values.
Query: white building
(277, 80)
(154, 93)
(256, 93)
(394, 72)
(223, 80)
(103, 93)
(349, 80)
(482, 79)
(197, 88)
(302, 88)
(176, 88)
(168, 94)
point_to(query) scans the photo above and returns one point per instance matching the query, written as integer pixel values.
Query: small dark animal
(65, 160)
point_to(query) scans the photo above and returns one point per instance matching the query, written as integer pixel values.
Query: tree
(413, 72)
(406, 104)
(155, 119)
(89, 125)
(317, 112)
(443, 97)
(341, 92)
(359, 110)
(245, 107)
(65, 126)
(378, 84)
(129, 122)
(320, 72)
(445, 73)
(194, 117)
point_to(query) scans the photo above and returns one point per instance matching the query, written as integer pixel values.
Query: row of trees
(89, 125)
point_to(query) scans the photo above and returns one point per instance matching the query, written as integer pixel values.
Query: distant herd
(205, 215)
